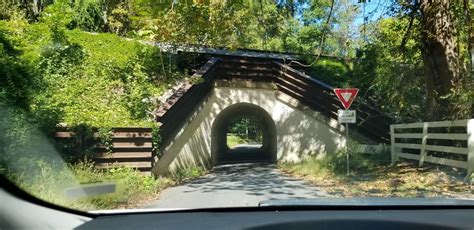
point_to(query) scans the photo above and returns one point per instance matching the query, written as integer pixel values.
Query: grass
(189, 173)
(234, 140)
(133, 189)
(373, 176)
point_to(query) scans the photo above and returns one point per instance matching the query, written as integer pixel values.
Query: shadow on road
(253, 179)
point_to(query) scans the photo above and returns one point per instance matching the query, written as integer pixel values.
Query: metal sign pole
(346, 97)
(347, 147)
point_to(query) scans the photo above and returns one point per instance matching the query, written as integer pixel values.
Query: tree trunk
(470, 30)
(443, 65)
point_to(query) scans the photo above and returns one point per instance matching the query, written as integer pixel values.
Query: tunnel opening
(243, 133)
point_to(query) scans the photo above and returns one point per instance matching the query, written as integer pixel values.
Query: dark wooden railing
(130, 147)
(320, 96)
(245, 68)
(174, 113)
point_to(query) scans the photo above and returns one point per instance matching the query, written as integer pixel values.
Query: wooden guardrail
(316, 94)
(175, 113)
(443, 142)
(245, 68)
(130, 147)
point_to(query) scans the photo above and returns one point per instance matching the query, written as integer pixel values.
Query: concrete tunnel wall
(299, 132)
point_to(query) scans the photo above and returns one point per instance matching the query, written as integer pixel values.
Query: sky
(374, 9)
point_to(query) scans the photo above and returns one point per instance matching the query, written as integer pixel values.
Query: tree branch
(323, 39)
(409, 27)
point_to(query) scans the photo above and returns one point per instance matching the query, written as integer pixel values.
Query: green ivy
(104, 135)
(156, 141)
(331, 71)
(100, 80)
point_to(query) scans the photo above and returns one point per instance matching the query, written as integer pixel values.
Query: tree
(439, 31)
(247, 129)
(390, 77)
(29, 9)
(444, 67)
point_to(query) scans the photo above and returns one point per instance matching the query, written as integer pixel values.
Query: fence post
(423, 144)
(470, 148)
(392, 144)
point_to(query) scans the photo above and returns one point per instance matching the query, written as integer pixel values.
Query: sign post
(346, 97)
(347, 149)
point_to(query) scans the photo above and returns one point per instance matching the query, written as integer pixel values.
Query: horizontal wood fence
(245, 68)
(448, 143)
(130, 147)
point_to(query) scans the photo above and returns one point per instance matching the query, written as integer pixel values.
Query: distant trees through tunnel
(244, 132)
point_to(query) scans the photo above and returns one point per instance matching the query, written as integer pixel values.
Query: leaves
(379, 179)
(98, 80)
(390, 77)
(247, 130)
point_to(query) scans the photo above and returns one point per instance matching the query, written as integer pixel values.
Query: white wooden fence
(402, 131)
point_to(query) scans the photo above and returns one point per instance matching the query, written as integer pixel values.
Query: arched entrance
(221, 153)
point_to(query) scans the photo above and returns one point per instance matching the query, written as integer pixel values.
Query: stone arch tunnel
(298, 114)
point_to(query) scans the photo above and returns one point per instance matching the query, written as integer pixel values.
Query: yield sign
(346, 96)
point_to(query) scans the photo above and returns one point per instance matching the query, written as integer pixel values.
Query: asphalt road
(236, 185)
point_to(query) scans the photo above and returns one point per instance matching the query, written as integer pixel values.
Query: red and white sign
(346, 96)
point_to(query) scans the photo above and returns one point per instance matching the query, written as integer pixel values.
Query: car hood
(368, 201)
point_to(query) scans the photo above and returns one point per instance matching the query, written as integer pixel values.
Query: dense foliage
(94, 79)
(79, 63)
(389, 77)
(386, 51)
(51, 74)
(64, 61)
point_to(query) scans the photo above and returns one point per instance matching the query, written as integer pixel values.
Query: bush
(335, 164)
(52, 75)
(333, 72)
(16, 82)
(60, 56)
(20, 140)
(88, 15)
(74, 77)
(50, 184)
(184, 174)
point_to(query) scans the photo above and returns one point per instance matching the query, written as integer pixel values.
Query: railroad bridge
(297, 113)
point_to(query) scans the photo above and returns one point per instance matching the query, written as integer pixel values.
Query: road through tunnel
(262, 152)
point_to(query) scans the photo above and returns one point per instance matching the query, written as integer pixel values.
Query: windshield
(130, 104)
